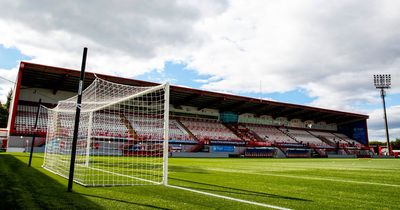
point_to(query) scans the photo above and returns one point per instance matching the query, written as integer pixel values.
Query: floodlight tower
(382, 82)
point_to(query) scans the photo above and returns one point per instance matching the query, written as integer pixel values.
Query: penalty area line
(230, 198)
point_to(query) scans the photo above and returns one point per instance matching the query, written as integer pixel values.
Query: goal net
(122, 137)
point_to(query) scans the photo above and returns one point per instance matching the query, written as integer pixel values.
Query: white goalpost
(122, 137)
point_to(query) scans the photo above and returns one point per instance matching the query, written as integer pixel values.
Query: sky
(311, 52)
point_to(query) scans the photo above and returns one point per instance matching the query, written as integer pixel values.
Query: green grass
(101, 168)
(291, 183)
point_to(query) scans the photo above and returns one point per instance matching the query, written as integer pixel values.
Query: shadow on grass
(123, 201)
(26, 155)
(23, 187)
(236, 190)
(187, 169)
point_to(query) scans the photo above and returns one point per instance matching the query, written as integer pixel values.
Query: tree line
(395, 144)
(4, 110)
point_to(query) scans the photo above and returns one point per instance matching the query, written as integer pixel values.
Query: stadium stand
(271, 134)
(329, 138)
(243, 133)
(351, 142)
(201, 129)
(143, 127)
(198, 120)
(305, 138)
(177, 132)
(25, 121)
(208, 129)
(99, 129)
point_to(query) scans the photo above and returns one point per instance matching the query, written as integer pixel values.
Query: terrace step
(235, 130)
(182, 126)
(289, 135)
(323, 139)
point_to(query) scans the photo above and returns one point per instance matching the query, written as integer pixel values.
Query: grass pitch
(289, 183)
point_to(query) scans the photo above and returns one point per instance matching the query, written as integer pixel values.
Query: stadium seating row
(208, 129)
(188, 128)
(25, 120)
(270, 133)
(304, 137)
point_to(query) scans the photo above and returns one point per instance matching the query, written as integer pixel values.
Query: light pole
(382, 82)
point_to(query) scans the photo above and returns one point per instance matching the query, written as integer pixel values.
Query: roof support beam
(251, 109)
(287, 112)
(327, 118)
(348, 121)
(59, 83)
(186, 99)
(270, 110)
(233, 106)
(297, 114)
(280, 112)
(316, 116)
(211, 103)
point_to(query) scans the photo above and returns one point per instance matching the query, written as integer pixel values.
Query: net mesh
(120, 138)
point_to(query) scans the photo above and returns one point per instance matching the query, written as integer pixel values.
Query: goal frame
(165, 144)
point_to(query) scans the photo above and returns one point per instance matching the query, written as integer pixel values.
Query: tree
(371, 143)
(3, 116)
(395, 144)
(4, 110)
(8, 102)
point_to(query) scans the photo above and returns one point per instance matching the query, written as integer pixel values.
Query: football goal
(122, 137)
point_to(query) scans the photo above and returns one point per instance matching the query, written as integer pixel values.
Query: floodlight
(383, 81)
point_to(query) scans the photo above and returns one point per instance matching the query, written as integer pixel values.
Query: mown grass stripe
(230, 198)
(307, 177)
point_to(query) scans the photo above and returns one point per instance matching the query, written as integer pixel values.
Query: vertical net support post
(166, 134)
(50, 120)
(89, 136)
(34, 131)
(77, 118)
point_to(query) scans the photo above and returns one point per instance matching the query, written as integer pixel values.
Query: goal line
(199, 192)
(229, 198)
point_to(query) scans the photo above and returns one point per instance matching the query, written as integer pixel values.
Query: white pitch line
(310, 178)
(188, 189)
(230, 198)
(333, 180)
(132, 177)
(102, 170)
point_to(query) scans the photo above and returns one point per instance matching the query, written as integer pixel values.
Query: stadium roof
(42, 76)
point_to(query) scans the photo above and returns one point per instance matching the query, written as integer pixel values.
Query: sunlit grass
(290, 183)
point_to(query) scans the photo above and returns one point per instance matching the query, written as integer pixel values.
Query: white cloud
(380, 134)
(208, 80)
(330, 49)
(376, 117)
(125, 38)
(376, 123)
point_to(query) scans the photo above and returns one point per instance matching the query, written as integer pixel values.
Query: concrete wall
(47, 96)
